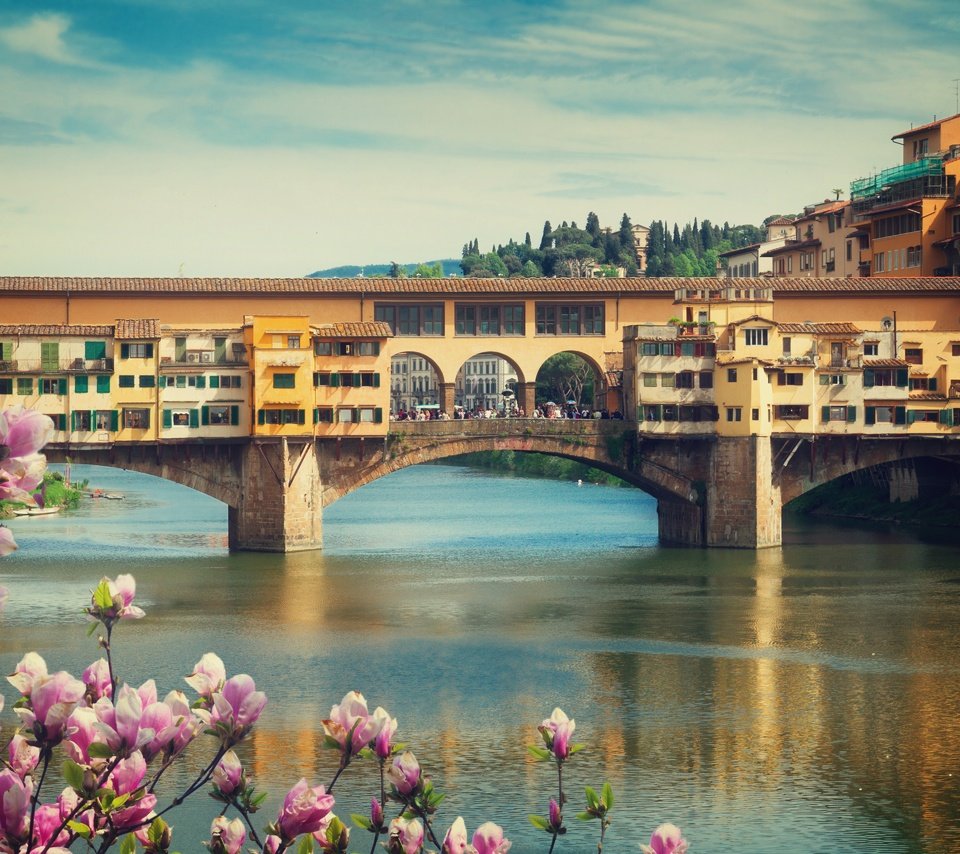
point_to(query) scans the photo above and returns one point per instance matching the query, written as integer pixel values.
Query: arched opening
(487, 384)
(415, 386)
(569, 384)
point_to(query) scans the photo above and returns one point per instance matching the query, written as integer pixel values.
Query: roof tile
(147, 328)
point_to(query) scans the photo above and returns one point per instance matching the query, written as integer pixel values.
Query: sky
(278, 137)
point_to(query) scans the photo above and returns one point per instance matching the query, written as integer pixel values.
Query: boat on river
(36, 511)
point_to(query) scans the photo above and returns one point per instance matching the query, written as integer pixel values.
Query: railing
(203, 359)
(512, 427)
(935, 186)
(88, 365)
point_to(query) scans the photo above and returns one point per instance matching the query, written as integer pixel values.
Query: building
(823, 244)
(751, 261)
(909, 215)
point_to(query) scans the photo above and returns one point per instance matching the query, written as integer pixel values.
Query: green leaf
(576, 748)
(539, 822)
(361, 821)
(593, 801)
(73, 775)
(97, 750)
(80, 829)
(331, 742)
(157, 827)
(306, 844)
(540, 753)
(101, 596)
(365, 753)
(585, 816)
(92, 628)
(607, 794)
(128, 844)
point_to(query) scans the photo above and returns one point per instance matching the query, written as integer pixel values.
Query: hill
(451, 267)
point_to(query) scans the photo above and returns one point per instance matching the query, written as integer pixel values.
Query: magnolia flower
(226, 836)
(174, 725)
(489, 839)
(52, 700)
(22, 757)
(666, 839)
(303, 810)
(29, 669)
(8, 545)
(23, 432)
(556, 731)
(228, 775)
(125, 779)
(376, 814)
(15, 797)
(455, 842)
(387, 728)
(208, 676)
(97, 679)
(121, 593)
(406, 837)
(120, 725)
(82, 731)
(405, 773)
(235, 709)
(554, 815)
(351, 725)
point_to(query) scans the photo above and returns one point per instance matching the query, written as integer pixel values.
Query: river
(798, 699)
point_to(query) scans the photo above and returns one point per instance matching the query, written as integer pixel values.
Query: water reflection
(755, 698)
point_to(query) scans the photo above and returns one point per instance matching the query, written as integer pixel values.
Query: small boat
(113, 496)
(36, 511)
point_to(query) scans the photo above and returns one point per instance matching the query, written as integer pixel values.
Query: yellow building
(135, 392)
(281, 364)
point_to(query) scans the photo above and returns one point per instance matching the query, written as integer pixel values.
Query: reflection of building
(482, 380)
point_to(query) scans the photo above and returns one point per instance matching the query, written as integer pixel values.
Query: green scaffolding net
(921, 168)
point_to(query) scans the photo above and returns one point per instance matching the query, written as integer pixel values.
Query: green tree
(428, 271)
(397, 271)
(546, 242)
(563, 377)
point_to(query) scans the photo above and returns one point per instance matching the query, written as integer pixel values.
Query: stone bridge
(711, 491)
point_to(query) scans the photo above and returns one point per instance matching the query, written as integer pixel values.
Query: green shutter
(378, 415)
(205, 415)
(316, 414)
(911, 415)
(335, 380)
(6, 351)
(62, 385)
(201, 382)
(301, 417)
(316, 379)
(376, 380)
(114, 420)
(261, 417)
(870, 415)
(899, 415)
(124, 351)
(933, 384)
(73, 420)
(94, 350)
(824, 379)
(376, 348)
(868, 378)
(357, 380)
(215, 381)
(946, 417)
(49, 356)
(148, 350)
(194, 418)
(81, 385)
(103, 384)
(824, 413)
(167, 418)
(903, 378)
(234, 415)
(851, 414)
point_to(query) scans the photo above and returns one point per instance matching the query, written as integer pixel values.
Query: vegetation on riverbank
(844, 498)
(523, 464)
(56, 494)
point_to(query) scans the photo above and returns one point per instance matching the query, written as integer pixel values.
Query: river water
(799, 699)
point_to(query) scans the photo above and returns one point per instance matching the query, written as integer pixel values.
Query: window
(24, 385)
(323, 415)
(136, 351)
(806, 260)
(345, 415)
(755, 414)
(125, 381)
(218, 415)
(920, 148)
(465, 320)
(849, 250)
(6, 385)
(706, 379)
(790, 379)
(284, 380)
(839, 413)
(226, 381)
(368, 348)
(923, 383)
(106, 419)
(293, 342)
(489, 320)
(871, 348)
(103, 384)
(179, 417)
(513, 320)
(649, 380)
(734, 413)
(81, 385)
(280, 416)
(667, 380)
(913, 355)
(411, 319)
(570, 319)
(755, 337)
(731, 375)
(914, 256)
(649, 348)
(833, 379)
(791, 413)
(93, 350)
(787, 343)
(879, 266)
(684, 379)
(323, 348)
(49, 356)
(344, 348)
(136, 419)
(955, 349)
(147, 381)
(51, 386)
(80, 420)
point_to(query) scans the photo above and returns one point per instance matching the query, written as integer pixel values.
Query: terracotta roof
(927, 395)
(790, 246)
(885, 363)
(927, 126)
(832, 207)
(726, 359)
(55, 329)
(820, 328)
(754, 318)
(737, 251)
(369, 329)
(148, 328)
(780, 220)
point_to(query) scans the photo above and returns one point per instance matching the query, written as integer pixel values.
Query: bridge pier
(279, 508)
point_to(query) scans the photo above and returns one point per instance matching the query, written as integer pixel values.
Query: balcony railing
(63, 366)
(89, 365)
(931, 186)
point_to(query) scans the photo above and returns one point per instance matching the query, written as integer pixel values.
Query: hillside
(451, 267)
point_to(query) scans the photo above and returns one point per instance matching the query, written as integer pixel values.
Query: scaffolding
(923, 167)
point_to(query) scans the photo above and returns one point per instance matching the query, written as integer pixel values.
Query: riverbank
(56, 494)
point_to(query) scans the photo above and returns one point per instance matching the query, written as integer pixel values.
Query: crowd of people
(547, 410)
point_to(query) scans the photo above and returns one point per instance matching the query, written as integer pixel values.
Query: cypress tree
(547, 240)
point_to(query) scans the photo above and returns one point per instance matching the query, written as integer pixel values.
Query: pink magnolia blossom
(8, 545)
(555, 817)
(235, 709)
(387, 728)
(120, 724)
(351, 725)
(122, 590)
(173, 723)
(226, 836)
(208, 676)
(22, 757)
(52, 700)
(228, 775)
(97, 679)
(303, 810)
(376, 813)
(405, 773)
(666, 839)
(271, 845)
(556, 731)
(125, 779)
(29, 669)
(406, 837)
(15, 797)
(47, 821)
(455, 842)
(489, 839)
(23, 432)
(82, 731)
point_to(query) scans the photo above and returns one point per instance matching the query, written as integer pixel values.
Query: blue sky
(242, 138)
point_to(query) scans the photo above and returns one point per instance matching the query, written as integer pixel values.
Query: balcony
(886, 195)
(88, 366)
